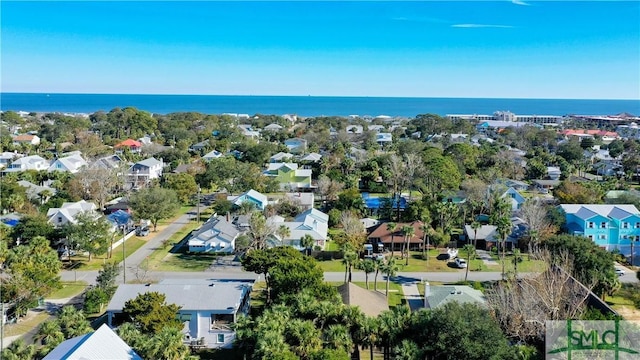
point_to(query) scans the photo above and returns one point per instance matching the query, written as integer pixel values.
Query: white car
(461, 263)
(620, 272)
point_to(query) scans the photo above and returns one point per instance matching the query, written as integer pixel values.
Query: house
(67, 212)
(121, 219)
(7, 157)
(26, 139)
(372, 303)
(34, 192)
(273, 127)
(132, 145)
(248, 131)
(610, 226)
(259, 200)
(214, 154)
(553, 172)
(514, 198)
(216, 235)
(208, 308)
(305, 200)
(487, 236)
(107, 162)
(33, 162)
(296, 145)
(384, 138)
(142, 172)
(374, 204)
(438, 296)
(380, 234)
(544, 186)
(280, 157)
(516, 185)
(369, 222)
(376, 128)
(71, 163)
(145, 140)
(197, 147)
(311, 157)
(289, 175)
(103, 343)
(311, 222)
(354, 129)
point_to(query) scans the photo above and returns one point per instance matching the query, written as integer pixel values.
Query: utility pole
(198, 218)
(124, 257)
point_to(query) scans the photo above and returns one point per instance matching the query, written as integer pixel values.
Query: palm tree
(425, 228)
(378, 267)
(303, 337)
(475, 225)
(516, 258)
(368, 266)
(283, 232)
(389, 269)
(49, 334)
(392, 227)
(337, 336)
(167, 344)
(504, 229)
(245, 334)
(470, 249)
(19, 350)
(407, 350)
(73, 322)
(370, 333)
(307, 242)
(408, 231)
(349, 259)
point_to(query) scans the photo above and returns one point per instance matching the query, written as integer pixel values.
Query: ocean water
(310, 105)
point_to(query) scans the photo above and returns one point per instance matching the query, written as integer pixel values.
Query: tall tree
(392, 228)
(90, 233)
(368, 266)
(150, 313)
(154, 204)
(184, 184)
(390, 268)
(408, 232)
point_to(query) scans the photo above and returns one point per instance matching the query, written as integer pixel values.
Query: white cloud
(481, 26)
(520, 2)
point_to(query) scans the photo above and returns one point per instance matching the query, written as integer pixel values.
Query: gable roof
(612, 211)
(150, 162)
(103, 343)
(485, 232)
(216, 228)
(71, 163)
(129, 143)
(380, 231)
(250, 194)
(371, 303)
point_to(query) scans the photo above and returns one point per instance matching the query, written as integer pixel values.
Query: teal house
(610, 226)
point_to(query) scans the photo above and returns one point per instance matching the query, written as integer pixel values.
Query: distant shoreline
(310, 105)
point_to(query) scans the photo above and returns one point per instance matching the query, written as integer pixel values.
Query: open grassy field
(69, 289)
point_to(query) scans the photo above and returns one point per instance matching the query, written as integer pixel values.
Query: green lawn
(163, 260)
(182, 262)
(68, 290)
(32, 321)
(82, 262)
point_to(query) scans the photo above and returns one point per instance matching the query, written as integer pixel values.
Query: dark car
(142, 231)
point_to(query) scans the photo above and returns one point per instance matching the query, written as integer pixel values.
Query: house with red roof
(132, 145)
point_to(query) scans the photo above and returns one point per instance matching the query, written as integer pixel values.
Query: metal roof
(103, 343)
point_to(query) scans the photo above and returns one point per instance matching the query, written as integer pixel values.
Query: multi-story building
(612, 227)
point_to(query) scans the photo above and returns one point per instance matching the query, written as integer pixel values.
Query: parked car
(142, 231)
(461, 263)
(620, 272)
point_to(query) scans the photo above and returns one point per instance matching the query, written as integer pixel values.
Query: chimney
(227, 216)
(427, 293)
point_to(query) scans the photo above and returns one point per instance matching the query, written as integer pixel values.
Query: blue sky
(425, 49)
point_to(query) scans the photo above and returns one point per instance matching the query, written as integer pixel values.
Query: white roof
(311, 157)
(150, 162)
(276, 166)
(587, 211)
(103, 343)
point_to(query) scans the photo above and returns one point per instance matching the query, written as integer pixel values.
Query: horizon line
(319, 96)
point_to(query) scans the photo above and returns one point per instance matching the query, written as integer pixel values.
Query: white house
(144, 171)
(7, 157)
(248, 131)
(280, 157)
(273, 127)
(384, 138)
(312, 222)
(216, 235)
(103, 343)
(71, 163)
(67, 212)
(214, 154)
(33, 162)
(208, 308)
(311, 157)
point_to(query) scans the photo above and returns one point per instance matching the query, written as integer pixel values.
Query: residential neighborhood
(219, 221)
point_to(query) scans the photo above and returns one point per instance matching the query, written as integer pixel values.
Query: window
(59, 219)
(591, 237)
(603, 225)
(638, 225)
(590, 226)
(602, 237)
(625, 225)
(220, 338)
